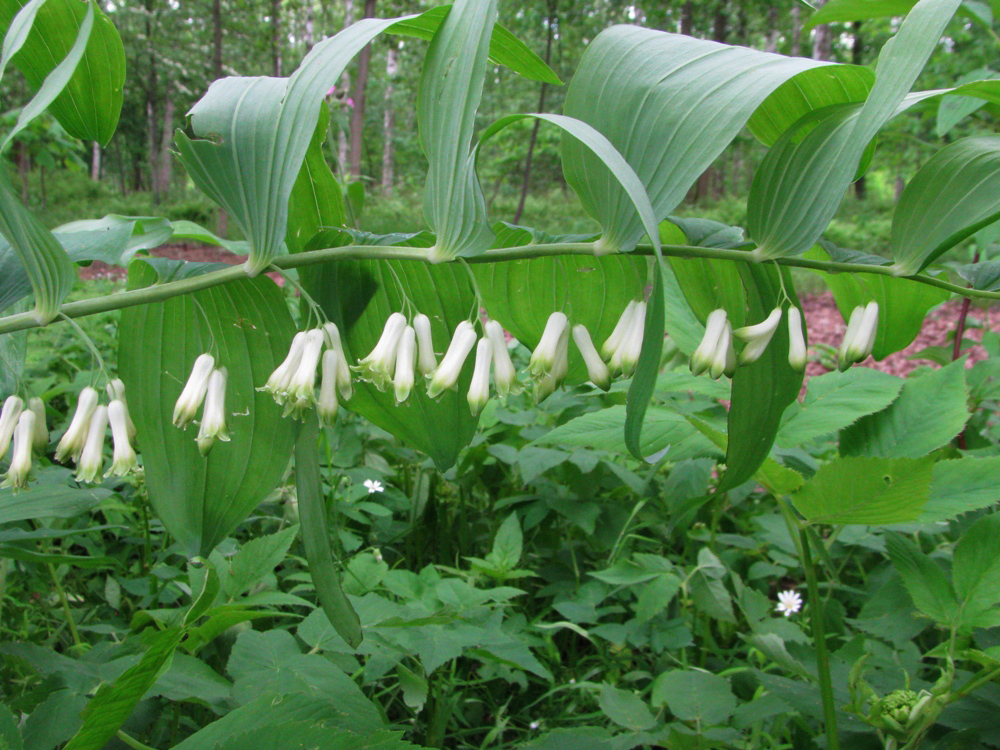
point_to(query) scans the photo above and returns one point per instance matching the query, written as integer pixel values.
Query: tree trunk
(165, 166)
(796, 30)
(360, 92)
(822, 39)
(687, 18)
(95, 162)
(345, 86)
(389, 123)
(221, 217)
(151, 148)
(550, 22)
(900, 185)
(276, 38)
(771, 45)
(857, 57)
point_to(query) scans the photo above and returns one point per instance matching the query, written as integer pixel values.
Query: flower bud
(71, 444)
(626, 356)
(302, 386)
(869, 330)
(704, 355)
(851, 347)
(479, 388)
(343, 371)
(194, 391)
(723, 358)
(116, 390)
(504, 372)
(426, 360)
(377, 366)
(40, 439)
(446, 374)
(124, 459)
(546, 385)
(620, 331)
(597, 371)
(543, 359)
(213, 419)
(402, 379)
(88, 468)
(20, 458)
(327, 405)
(279, 382)
(758, 336)
(796, 341)
(12, 409)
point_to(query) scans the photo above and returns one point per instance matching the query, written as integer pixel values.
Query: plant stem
(816, 618)
(132, 741)
(65, 605)
(162, 291)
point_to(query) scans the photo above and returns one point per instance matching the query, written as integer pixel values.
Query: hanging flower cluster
(206, 384)
(859, 340)
(27, 429)
(717, 355)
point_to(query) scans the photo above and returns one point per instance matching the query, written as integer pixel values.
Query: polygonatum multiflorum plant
(410, 329)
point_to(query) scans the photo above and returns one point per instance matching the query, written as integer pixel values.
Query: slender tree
(359, 96)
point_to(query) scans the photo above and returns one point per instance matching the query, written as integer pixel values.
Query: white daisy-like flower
(373, 486)
(788, 602)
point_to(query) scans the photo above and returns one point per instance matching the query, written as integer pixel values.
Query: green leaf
(763, 389)
(648, 365)
(836, 400)
(257, 558)
(83, 88)
(858, 10)
(112, 705)
(9, 734)
(656, 596)
(625, 709)
(50, 497)
(954, 109)
(315, 538)
(930, 411)
(962, 485)
(696, 696)
(247, 325)
(800, 183)
(447, 100)
(299, 735)
(207, 592)
(17, 30)
(976, 570)
(508, 543)
(954, 195)
(709, 284)
(873, 491)
(658, 116)
(930, 590)
(317, 200)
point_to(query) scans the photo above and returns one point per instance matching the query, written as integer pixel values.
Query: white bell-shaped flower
(724, 358)
(20, 458)
(213, 419)
(327, 405)
(72, 442)
(796, 341)
(402, 379)
(40, 439)
(621, 329)
(543, 359)
(859, 339)
(280, 381)
(9, 417)
(626, 356)
(426, 359)
(597, 371)
(479, 388)
(758, 336)
(377, 367)
(504, 373)
(124, 459)
(302, 386)
(446, 374)
(704, 355)
(193, 394)
(869, 329)
(343, 381)
(546, 385)
(88, 467)
(116, 390)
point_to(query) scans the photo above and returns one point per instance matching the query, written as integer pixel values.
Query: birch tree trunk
(95, 161)
(165, 167)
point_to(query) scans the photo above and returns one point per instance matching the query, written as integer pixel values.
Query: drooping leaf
(953, 109)
(931, 591)
(247, 326)
(954, 195)
(962, 485)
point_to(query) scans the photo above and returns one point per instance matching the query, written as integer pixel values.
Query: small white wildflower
(446, 374)
(621, 329)
(426, 360)
(301, 392)
(789, 602)
(546, 385)
(40, 439)
(12, 409)
(377, 554)
(504, 372)
(344, 386)
(71, 444)
(327, 405)
(124, 458)
(402, 378)
(597, 371)
(116, 390)
(704, 355)
(543, 359)
(796, 341)
(626, 356)
(373, 486)
(479, 388)
(194, 391)
(869, 329)
(277, 385)
(213, 419)
(88, 467)
(758, 336)
(534, 725)
(20, 459)
(724, 357)
(377, 366)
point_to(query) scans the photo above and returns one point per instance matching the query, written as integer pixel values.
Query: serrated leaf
(656, 596)
(962, 485)
(9, 734)
(930, 590)
(256, 559)
(625, 709)
(976, 570)
(696, 696)
(873, 491)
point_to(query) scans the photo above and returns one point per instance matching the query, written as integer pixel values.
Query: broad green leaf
(82, 88)
(10, 736)
(305, 734)
(800, 183)
(648, 365)
(54, 720)
(316, 540)
(45, 262)
(505, 48)
(930, 411)
(316, 200)
(247, 326)
(682, 325)
(656, 596)
(587, 738)
(763, 389)
(858, 10)
(931, 591)
(113, 704)
(50, 497)
(709, 284)
(984, 275)
(962, 485)
(256, 559)
(902, 304)
(190, 679)
(204, 595)
(625, 709)
(836, 400)
(447, 100)
(664, 430)
(13, 350)
(954, 195)
(659, 117)
(253, 135)
(17, 31)
(976, 570)
(692, 695)
(873, 491)
(953, 109)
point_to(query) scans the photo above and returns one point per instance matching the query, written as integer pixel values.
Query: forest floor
(823, 320)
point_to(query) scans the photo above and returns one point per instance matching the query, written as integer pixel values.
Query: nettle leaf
(86, 94)
(10, 736)
(256, 559)
(976, 571)
(871, 491)
(930, 411)
(954, 195)
(447, 100)
(247, 326)
(931, 591)
(625, 709)
(692, 695)
(962, 485)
